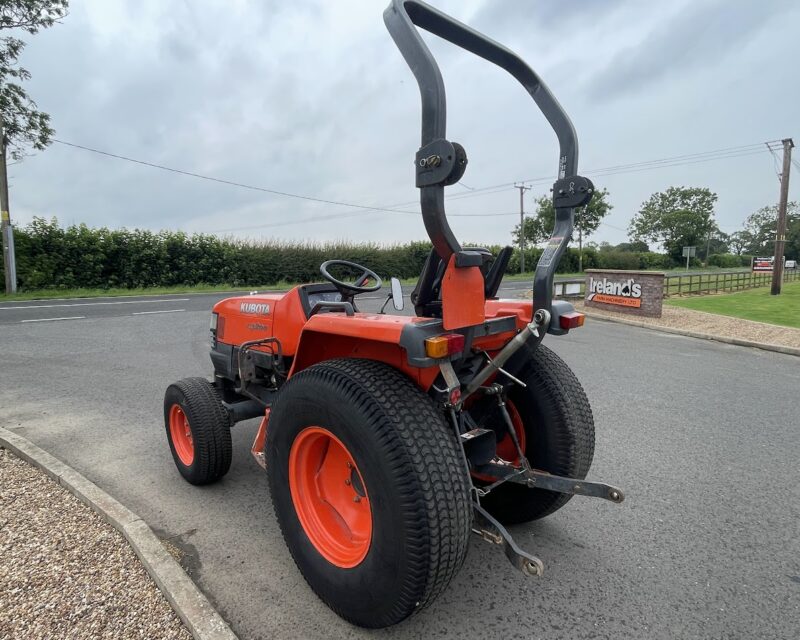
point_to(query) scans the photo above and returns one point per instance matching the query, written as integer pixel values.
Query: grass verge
(753, 304)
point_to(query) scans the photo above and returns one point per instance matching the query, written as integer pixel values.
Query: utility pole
(522, 189)
(780, 237)
(9, 264)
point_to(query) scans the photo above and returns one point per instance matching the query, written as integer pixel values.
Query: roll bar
(440, 163)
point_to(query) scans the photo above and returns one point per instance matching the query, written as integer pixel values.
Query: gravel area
(710, 323)
(65, 572)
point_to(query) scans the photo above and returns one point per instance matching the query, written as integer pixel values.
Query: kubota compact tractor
(388, 439)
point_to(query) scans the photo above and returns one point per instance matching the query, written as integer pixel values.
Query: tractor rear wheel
(198, 430)
(555, 427)
(369, 489)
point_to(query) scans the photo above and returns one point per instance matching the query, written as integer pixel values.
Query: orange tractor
(388, 439)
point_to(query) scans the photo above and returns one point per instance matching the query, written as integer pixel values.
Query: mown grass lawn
(753, 304)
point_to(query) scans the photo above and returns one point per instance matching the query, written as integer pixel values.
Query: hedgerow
(50, 256)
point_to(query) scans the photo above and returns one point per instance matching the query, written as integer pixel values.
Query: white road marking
(144, 313)
(54, 319)
(89, 304)
(153, 295)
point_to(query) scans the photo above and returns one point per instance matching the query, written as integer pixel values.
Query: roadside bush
(725, 260)
(654, 261)
(619, 260)
(52, 257)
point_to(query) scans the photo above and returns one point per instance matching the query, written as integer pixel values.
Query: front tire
(369, 489)
(198, 430)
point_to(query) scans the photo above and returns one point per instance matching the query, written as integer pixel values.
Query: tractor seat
(427, 294)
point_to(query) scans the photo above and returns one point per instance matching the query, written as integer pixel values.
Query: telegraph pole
(780, 237)
(522, 189)
(9, 264)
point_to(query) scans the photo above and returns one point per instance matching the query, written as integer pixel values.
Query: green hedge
(728, 260)
(52, 257)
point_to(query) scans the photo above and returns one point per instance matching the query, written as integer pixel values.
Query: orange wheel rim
(505, 448)
(330, 497)
(181, 434)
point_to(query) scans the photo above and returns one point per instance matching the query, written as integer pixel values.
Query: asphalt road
(64, 310)
(703, 437)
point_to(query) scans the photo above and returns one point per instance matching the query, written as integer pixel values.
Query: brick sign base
(638, 293)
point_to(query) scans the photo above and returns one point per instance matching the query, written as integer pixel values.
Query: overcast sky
(312, 97)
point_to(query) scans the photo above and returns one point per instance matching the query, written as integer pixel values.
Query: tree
(539, 227)
(761, 227)
(740, 241)
(719, 242)
(677, 217)
(25, 126)
(637, 246)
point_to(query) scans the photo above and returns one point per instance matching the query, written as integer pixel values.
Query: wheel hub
(329, 497)
(181, 434)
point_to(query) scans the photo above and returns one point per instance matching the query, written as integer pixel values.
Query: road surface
(703, 437)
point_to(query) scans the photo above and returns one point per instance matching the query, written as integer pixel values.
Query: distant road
(76, 309)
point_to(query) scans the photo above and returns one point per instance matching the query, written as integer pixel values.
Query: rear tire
(559, 436)
(198, 430)
(413, 481)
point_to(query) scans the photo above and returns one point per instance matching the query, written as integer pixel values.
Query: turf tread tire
(560, 436)
(422, 456)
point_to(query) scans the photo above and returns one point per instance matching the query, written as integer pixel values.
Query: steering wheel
(358, 285)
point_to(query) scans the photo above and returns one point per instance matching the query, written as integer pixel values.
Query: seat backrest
(494, 276)
(427, 294)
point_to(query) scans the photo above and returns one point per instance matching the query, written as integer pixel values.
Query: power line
(635, 167)
(673, 161)
(745, 150)
(351, 214)
(232, 183)
(775, 161)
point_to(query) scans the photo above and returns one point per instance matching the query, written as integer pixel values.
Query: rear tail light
(571, 320)
(444, 345)
(214, 321)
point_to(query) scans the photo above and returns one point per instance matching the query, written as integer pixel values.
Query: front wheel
(369, 489)
(198, 430)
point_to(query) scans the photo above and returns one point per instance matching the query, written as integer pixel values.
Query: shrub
(52, 257)
(726, 260)
(619, 260)
(655, 261)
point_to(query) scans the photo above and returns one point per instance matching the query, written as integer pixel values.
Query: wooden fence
(720, 281)
(688, 283)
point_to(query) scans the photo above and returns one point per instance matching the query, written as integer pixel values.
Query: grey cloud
(313, 98)
(698, 37)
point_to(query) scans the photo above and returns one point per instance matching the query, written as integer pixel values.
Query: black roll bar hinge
(440, 162)
(572, 192)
